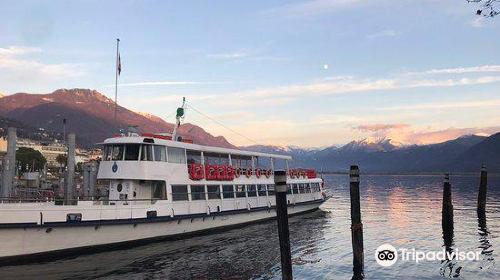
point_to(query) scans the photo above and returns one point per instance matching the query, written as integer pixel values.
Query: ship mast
(179, 115)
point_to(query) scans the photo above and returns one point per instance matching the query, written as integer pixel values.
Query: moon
(325, 66)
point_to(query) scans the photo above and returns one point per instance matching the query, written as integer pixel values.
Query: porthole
(119, 187)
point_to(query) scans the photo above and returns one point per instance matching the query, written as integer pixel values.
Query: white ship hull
(52, 238)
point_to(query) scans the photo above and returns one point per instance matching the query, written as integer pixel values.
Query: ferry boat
(160, 186)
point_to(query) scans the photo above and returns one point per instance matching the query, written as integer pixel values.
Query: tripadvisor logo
(387, 255)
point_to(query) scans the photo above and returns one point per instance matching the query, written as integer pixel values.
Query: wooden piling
(283, 230)
(447, 211)
(356, 224)
(481, 198)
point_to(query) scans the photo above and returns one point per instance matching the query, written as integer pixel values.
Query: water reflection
(448, 264)
(484, 243)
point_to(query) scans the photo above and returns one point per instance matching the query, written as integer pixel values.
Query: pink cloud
(403, 133)
(381, 127)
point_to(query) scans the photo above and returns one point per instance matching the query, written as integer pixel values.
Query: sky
(304, 73)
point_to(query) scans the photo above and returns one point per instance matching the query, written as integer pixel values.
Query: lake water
(404, 211)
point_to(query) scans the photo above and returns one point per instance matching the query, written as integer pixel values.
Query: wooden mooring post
(447, 211)
(283, 230)
(356, 225)
(481, 197)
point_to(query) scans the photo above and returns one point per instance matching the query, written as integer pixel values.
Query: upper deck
(152, 158)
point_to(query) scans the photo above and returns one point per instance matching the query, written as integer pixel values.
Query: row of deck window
(199, 192)
(149, 152)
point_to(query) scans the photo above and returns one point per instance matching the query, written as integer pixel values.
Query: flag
(119, 65)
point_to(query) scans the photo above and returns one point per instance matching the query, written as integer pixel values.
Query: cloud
(18, 50)
(478, 22)
(11, 58)
(163, 83)
(172, 98)
(381, 127)
(354, 85)
(439, 136)
(460, 70)
(344, 85)
(385, 33)
(233, 55)
(444, 105)
(166, 83)
(406, 134)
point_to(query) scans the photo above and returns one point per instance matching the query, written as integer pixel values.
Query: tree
(490, 8)
(61, 159)
(27, 157)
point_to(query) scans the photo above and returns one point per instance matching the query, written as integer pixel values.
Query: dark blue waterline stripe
(149, 220)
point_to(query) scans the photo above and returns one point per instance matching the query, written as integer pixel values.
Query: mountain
(373, 144)
(24, 131)
(485, 152)
(90, 115)
(389, 156)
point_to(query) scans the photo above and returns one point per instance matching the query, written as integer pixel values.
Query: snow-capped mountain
(373, 144)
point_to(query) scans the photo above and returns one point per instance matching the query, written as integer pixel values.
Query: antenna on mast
(179, 115)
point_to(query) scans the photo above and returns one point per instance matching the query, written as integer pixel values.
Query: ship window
(176, 155)
(216, 158)
(270, 190)
(160, 153)
(301, 188)
(146, 153)
(243, 162)
(117, 152)
(252, 190)
(159, 190)
(240, 191)
(197, 192)
(107, 153)
(263, 162)
(228, 191)
(295, 188)
(213, 191)
(179, 192)
(289, 188)
(308, 188)
(193, 157)
(132, 151)
(261, 189)
(224, 159)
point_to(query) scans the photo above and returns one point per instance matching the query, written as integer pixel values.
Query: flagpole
(116, 82)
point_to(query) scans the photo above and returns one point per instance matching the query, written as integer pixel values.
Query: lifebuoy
(221, 173)
(195, 172)
(248, 173)
(237, 173)
(257, 173)
(229, 173)
(210, 172)
(268, 173)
